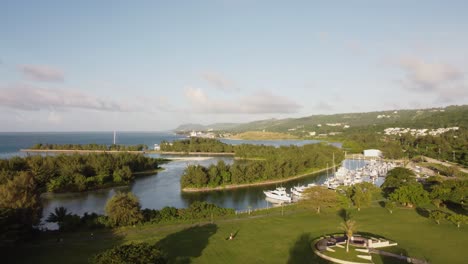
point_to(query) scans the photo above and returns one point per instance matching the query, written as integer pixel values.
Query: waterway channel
(163, 189)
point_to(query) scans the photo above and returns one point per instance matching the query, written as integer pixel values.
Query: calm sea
(12, 142)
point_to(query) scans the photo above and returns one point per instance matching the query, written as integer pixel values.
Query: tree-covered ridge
(415, 118)
(104, 147)
(196, 144)
(450, 146)
(77, 172)
(269, 163)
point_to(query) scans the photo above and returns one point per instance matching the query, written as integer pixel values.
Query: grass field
(271, 238)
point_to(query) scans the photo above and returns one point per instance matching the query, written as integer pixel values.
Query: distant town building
(372, 153)
(201, 134)
(418, 132)
(383, 116)
(313, 133)
(157, 147)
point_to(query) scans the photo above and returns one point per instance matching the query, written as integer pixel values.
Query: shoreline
(243, 185)
(83, 151)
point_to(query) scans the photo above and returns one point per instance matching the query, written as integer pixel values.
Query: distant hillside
(419, 118)
(199, 127)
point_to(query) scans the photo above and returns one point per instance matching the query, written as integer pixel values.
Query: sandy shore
(235, 186)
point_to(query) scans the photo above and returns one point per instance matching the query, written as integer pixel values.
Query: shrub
(141, 253)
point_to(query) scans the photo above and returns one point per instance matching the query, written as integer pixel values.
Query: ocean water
(12, 142)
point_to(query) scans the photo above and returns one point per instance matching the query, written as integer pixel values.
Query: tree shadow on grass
(423, 212)
(344, 214)
(189, 243)
(302, 251)
(62, 247)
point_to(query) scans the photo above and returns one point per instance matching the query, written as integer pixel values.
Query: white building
(372, 153)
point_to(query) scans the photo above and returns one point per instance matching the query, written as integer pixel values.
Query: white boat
(297, 191)
(278, 194)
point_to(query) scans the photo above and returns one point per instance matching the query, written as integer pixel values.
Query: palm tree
(58, 216)
(349, 226)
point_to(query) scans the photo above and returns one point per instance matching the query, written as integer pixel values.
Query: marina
(351, 172)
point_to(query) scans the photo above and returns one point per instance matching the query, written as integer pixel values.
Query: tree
(437, 216)
(319, 197)
(122, 175)
(362, 193)
(396, 178)
(458, 219)
(123, 209)
(349, 226)
(437, 202)
(410, 195)
(58, 216)
(21, 193)
(141, 253)
(390, 206)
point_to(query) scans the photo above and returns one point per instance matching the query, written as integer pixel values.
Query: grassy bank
(270, 238)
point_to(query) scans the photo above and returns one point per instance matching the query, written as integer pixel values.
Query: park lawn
(271, 238)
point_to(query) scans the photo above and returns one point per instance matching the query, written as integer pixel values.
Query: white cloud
(261, 102)
(443, 80)
(218, 81)
(31, 98)
(54, 118)
(41, 73)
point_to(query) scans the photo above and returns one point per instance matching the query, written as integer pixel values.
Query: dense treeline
(401, 186)
(450, 146)
(269, 163)
(196, 144)
(361, 140)
(76, 172)
(126, 211)
(113, 147)
(197, 210)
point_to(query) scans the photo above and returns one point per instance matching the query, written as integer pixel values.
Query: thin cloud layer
(261, 102)
(41, 73)
(219, 82)
(30, 98)
(442, 80)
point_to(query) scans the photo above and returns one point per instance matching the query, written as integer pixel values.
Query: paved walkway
(405, 258)
(445, 163)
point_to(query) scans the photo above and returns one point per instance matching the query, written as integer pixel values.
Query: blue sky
(152, 65)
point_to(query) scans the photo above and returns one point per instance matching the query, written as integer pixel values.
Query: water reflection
(163, 189)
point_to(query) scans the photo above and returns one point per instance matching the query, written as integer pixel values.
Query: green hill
(417, 118)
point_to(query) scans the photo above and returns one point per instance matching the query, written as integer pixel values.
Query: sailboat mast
(114, 136)
(334, 172)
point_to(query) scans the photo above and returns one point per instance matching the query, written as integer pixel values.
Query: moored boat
(279, 194)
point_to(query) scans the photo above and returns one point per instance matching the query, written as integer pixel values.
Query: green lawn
(260, 239)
